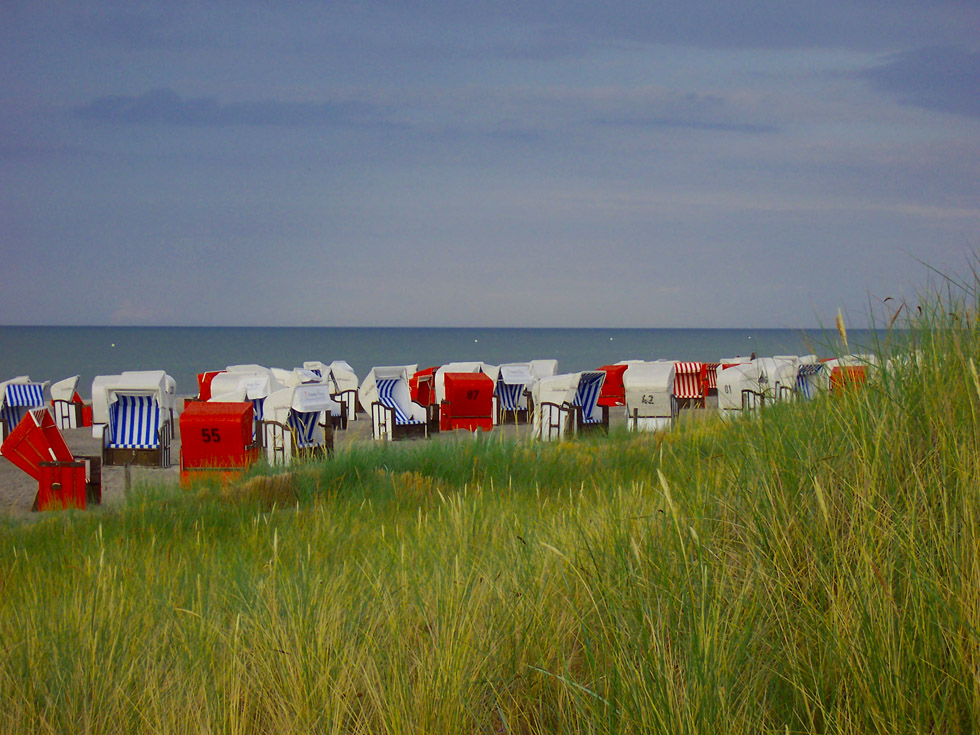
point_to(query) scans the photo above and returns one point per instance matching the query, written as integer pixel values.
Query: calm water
(53, 353)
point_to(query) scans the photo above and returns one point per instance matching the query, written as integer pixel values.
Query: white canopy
(107, 388)
(241, 386)
(63, 390)
(516, 373)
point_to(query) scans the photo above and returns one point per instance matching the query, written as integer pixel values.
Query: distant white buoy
(476, 340)
(113, 344)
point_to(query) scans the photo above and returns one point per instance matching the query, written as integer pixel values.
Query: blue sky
(532, 163)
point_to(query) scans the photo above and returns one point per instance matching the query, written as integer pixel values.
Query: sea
(54, 353)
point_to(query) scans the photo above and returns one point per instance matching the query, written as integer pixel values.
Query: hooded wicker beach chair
(134, 415)
(297, 423)
(386, 395)
(589, 415)
(649, 388)
(511, 390)
(18, 396)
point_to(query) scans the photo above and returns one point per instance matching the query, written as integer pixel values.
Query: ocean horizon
(57, 352)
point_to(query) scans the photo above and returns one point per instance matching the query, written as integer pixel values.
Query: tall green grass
(812, 569)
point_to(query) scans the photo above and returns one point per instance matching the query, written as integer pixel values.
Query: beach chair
(422, 389)
(810, 379)
(688, 385)
(551, 400)
(388, 399)
(469, 402)
(64, 481)
(649, 394)
(589, 415)
(18, 396)
(297, 423)
(340, 377)
(66, 403)
(133, 414)
(511, 391)
(252, 383)
(613, 393)
(711, 379)
(739, 389)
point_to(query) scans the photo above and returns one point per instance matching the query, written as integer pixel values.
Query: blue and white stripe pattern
(303, 425)
(509, 395)
(587, 395)
(805, 372)
(134, 423)
(386, 397)
(19, 399)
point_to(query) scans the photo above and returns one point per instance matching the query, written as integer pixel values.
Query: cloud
(166, 107)
(945, 79)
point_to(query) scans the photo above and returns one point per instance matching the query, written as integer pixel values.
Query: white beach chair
(134, 414)
(386, 395)
(296, 423)
(649, 389)
(67, 411)
(738, 389)
(552, 405)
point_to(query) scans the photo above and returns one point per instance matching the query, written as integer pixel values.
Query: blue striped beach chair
(806, 378)
(137, 433)
(588, 414)
(19, 398)
(511, 392)
(391, 419)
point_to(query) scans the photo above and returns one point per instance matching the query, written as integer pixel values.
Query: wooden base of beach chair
(584, 427)
(513, 418)
(120, 457)
(157, 457)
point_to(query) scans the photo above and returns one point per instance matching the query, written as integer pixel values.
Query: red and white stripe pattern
(711, 375)
(687, 380)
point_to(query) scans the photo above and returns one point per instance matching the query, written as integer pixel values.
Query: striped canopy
(19, 398)
(711, 375)
(688, 382)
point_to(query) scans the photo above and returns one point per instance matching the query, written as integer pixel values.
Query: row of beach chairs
(292, 413)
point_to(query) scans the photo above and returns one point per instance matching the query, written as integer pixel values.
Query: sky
(545, 163)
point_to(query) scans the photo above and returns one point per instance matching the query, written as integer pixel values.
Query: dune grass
(813, 569)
